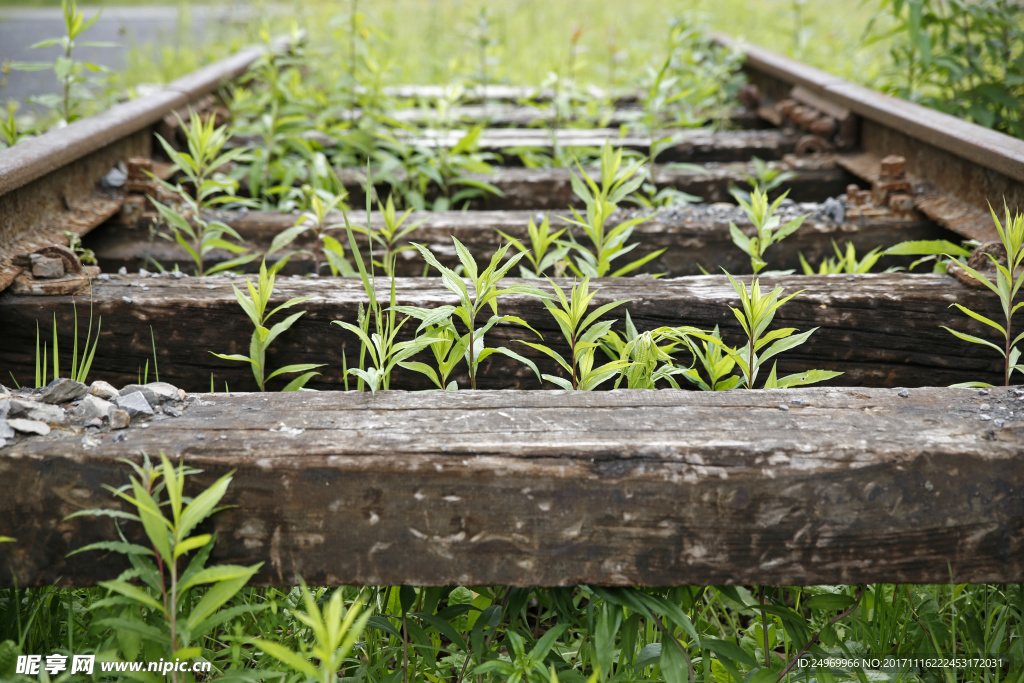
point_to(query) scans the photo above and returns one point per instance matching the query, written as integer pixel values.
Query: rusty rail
(49, 184)
(955, 168)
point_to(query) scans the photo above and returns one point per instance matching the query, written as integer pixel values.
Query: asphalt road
(129, 27)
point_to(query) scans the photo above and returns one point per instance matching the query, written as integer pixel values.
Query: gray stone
(5, 407)
(63, 390)
(119, 419)
(783, 406)
(834, 210)
(166, 391)
(34, 410)
(92, 407)
(984, 406)
(155, 393)
(903, 393)
(6, 431)
(29, 426)
(173, 412)
(103, 389)
(93, 422)
(46, 266)
(135, 403)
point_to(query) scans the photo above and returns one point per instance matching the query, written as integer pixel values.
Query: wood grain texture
(693, 236)
(878, 329)
(554, 488)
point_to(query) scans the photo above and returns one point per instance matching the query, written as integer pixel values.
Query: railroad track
(919, 483)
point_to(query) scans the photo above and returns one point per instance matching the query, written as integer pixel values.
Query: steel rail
(958, 169)
(49, 184)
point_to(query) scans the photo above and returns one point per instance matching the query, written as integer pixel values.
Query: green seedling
(755, 315)
(335, 631)
(156, 496)
(768, 227)
(524, 666)
(930, 251)
(650, 359)
(601, 201)
(255, 306)
(711, 357)
(1007, 285)
(845, 261)
(486, 292)
(201, 165)
(381, 343)
(764, 179)
(79, 366)
(545, 250)
(448, 350)
(10, 131)
(71, 74)
(581, 332)
(144, 372)
(199, 237)
(326, 248)
(385, 350)
(86, 256)
(390, 235)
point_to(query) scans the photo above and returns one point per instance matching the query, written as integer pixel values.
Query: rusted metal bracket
(53, 183)
(53, 269)
(947, 210)
(140, 184)
(828, 125)
(890, 195)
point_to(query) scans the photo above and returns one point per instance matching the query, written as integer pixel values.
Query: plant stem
(816, 636)
(405, 649)
(472, 369)
(67, 84)
(750, 363)
(764, 627)
(1009, 321)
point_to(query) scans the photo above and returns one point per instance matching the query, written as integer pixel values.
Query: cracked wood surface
(555, 488)
(878, 329)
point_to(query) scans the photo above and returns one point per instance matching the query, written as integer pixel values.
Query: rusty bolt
(138, 167)
(805, 117)
(133, 209)
(824, 127)
(812, 144)
(901, 203)
(786, 107)
(893, 166)
(857, 197)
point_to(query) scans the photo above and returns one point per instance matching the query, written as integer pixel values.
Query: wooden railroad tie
(878, 329)
(693, 237)
(799, 486)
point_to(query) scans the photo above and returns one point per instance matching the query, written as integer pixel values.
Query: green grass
(431, 42)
